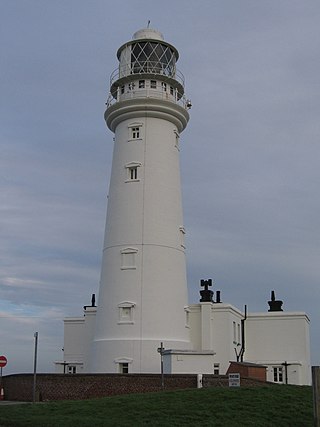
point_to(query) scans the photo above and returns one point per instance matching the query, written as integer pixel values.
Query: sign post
(3, 362)
(234, 380)
(161, 350)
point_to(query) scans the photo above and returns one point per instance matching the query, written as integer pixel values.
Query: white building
(143, 287)
(278, 340)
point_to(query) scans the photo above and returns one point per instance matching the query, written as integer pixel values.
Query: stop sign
(3, 361)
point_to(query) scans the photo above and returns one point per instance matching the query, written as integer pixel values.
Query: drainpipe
(243, 334)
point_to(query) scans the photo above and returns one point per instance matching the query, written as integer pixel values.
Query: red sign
(3, 361)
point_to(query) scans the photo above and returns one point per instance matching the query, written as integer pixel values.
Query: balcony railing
(147, 67)
(147, 92)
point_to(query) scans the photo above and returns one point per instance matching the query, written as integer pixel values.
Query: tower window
(132, 171)
(123, 364)
(72, 369)
(128, 258)
(126, 312)
(122, 89)
(164, 86)
(153, 84)
(135, 133)
(171, 90)
(142, 84)
(124, 368)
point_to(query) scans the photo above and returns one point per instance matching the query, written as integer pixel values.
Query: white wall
(180, 362)
(273, 338)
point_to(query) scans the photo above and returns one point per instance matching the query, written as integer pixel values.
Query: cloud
(249, 156)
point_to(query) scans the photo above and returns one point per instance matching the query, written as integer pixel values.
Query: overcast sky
(249, 156)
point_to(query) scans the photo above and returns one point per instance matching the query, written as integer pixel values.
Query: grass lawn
(273, 406)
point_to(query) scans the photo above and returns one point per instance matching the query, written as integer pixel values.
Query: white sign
(234, 380)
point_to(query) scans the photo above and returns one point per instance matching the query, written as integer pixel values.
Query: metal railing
(147, 67)
(176, 98)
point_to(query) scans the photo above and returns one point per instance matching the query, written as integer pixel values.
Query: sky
(249, 156)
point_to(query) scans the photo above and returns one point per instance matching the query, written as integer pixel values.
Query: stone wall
(86, 386)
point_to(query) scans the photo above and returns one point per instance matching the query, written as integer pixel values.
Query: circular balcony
(151, 68)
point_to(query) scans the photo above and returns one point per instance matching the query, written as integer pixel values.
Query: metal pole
(160, 350)
(35, 366)
(162, 375)
(316, 395)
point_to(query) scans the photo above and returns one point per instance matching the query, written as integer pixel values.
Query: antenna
(148, 23)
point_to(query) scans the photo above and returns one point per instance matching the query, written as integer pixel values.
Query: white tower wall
(143, 289)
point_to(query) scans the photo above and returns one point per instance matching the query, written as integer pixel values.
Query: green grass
(273, 406)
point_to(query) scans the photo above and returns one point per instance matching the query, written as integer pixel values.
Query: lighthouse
(142, 307)
(143, 289)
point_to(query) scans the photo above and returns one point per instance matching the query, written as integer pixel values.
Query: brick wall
(87, 386)
(248, 370)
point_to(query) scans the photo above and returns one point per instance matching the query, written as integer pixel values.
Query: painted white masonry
(143, 290)
(143, 268)
(287, 336)
(271, 339)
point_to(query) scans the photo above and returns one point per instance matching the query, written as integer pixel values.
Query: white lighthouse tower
(143, 289)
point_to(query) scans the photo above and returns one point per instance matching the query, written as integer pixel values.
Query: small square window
(72, 370)
(124, 368)
(216, 369)
(142, 84)
(153, 84)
